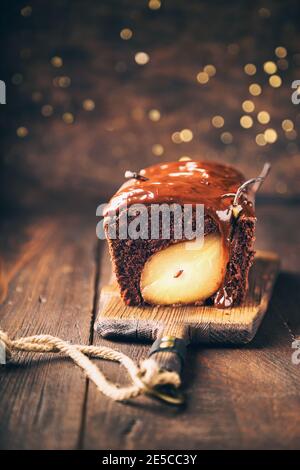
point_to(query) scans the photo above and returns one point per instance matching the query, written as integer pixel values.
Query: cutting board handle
(169, 353)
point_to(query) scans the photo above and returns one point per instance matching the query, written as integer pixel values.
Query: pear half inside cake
(184, 273)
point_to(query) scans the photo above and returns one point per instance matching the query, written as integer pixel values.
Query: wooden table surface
(52, 270)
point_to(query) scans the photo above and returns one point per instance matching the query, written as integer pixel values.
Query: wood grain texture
(42, 396)
(201, 324)
(238, 397)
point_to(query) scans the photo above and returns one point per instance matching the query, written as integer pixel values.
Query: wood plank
(237, 397)
(245, 397)
(52, 291)
(200, 324)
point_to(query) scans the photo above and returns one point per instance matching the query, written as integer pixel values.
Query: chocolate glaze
(190, 182)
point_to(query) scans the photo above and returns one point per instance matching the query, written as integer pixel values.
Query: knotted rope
(145, 378)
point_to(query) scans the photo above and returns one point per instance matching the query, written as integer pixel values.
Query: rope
(145, 378)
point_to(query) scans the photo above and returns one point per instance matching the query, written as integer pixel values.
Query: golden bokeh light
(210, 70)
(226, 138)
(202, 77)
(186, 135)
(270, 67)
(270, 135)
(47, 110)
(263, 117)
(126, 34)
(185, 158)
(218, 121)
(248, 106)
(157, 150)
(250, 69)
(154, 115)
(246, 122)
(154, 4)
(88, 104)
(255, 89)
(281, 52)
(275, 81)
(68, 118)
(176, 138)
(142, 58)
(260, 140)
(22, 131)
(56, 61)
(287, 125)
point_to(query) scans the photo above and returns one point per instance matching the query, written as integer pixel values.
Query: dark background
(84, 161)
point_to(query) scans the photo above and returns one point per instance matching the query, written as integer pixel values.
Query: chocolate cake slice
(172, 271)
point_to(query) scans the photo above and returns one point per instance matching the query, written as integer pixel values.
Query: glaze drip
(190, 182)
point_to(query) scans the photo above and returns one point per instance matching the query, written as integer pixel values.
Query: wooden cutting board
(201, 324)
(173, 328)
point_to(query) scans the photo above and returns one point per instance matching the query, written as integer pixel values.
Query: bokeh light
(68, 118)
(218, 121)
(56, 61)
(270, 135)
(260, 140)
(250, 69)
(157, 150)
(263, 117)
(186, 135)
(142, 58)
(154, 4)
(270, 67)
(275, 81)
(88, 104)
(281, 52)
(154, 115)
(126, 34)
(287, 125)
(226, 138)
(22, 131)
(210, 70)
(246, 122)
(248, 106)
(202, 77)
(255, 89)
(176, 138)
